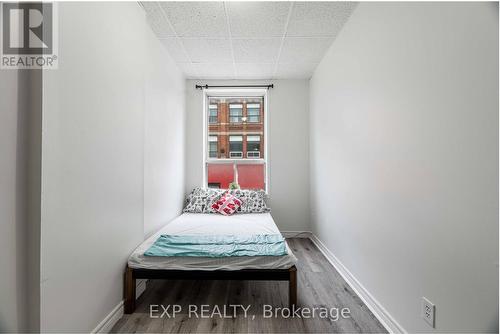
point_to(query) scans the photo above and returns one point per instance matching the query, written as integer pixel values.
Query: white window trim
(233, 93)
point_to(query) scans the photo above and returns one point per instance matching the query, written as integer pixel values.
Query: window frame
(238, 141)
(216, 141)
(258, 115)
(216, 114)
(240, 117)
(253, 141)
(231, 93)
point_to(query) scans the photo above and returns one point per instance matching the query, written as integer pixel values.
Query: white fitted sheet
(213, 224)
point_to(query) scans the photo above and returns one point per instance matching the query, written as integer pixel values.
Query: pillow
(200, 200)
(227, 204)
(254, 201)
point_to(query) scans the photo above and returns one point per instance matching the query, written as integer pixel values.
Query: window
(253, 112)
(212, 146)
(212, 114)
(236, 146)
(235, 113)
(253, 146)
(235, 140)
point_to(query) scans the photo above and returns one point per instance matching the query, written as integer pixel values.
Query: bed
(280, 268)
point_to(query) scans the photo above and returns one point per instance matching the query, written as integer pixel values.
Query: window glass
(212, 146)
(251, 176)
(220, 175)
(253, 146)
(235, 142)
(236, 146)
(235, 113)
(253, 112)
(212, 114)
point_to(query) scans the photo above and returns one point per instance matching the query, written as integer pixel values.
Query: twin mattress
(192, 224)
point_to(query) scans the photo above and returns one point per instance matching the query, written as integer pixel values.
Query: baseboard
(375, 307)
(112, 318)
(296, 234)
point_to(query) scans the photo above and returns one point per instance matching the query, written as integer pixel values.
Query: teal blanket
(218, 245)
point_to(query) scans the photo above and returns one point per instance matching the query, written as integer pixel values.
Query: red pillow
(227, 204)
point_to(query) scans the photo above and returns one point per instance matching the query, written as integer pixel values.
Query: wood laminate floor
(319, 286)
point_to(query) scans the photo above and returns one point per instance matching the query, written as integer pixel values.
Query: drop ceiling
(247, 40)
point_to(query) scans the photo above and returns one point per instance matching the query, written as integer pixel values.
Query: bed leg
(292, 287)
(129, 306)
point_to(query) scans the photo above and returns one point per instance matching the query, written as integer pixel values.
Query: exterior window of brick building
(235, 142)
(235, 113)
(253, 146)
(236, 146)
(213, 114)
(253, 112)
(212, 146)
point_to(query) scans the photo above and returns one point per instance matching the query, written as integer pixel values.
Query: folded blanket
(218, 245)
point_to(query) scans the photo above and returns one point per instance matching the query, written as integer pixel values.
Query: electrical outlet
(428, 311)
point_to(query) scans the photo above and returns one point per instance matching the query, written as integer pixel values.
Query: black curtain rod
(236, 86)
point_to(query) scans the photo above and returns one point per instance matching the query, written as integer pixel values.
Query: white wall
(164, 141)
(11, 284)
(288, 148)
(20, 131)
(116, 98)
(404, 152)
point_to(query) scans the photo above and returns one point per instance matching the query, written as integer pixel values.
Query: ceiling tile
(197, 19)
(207, 44)
(304, 50)
(319, 18)
(188, 70)
(257, 19)
(256, 50)
(175, 49)
(156, 20)
(147, 5)
(255, 70)
(215, 70)
(295, 70)
(204, 50)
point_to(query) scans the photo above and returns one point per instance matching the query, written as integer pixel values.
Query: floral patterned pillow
(254, 201)
(200, 200)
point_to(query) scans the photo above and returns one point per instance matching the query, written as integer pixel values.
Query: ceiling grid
(247, 40)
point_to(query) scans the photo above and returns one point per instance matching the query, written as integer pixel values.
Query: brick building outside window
(236, 132)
